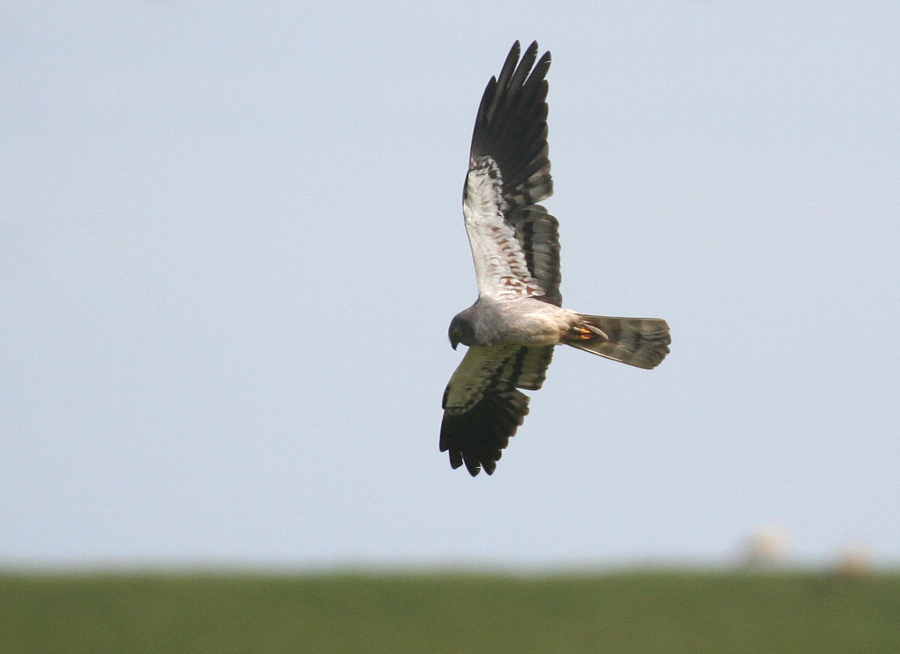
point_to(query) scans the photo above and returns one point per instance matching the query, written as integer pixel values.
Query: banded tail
(641, 342)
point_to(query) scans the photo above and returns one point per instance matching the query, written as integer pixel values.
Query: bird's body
(519, 321)
(518, 318)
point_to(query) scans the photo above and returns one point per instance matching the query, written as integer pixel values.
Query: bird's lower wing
(482, 406)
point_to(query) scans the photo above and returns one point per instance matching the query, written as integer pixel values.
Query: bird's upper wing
(515, 242)
(482, 406)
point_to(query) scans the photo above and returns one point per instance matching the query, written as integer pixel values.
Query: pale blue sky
(231, 243)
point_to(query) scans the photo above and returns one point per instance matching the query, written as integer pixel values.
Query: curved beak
(454, 342)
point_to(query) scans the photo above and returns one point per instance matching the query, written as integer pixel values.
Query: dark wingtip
(473, 467)
(511, 126)
(477, 437)
(543, 63)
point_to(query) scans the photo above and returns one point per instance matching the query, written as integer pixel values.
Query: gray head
(461, 330)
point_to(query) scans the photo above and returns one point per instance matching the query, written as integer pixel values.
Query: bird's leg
(585, 332)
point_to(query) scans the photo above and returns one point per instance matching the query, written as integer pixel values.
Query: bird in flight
(518, 318)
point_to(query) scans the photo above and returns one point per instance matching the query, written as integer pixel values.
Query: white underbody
(519, 321)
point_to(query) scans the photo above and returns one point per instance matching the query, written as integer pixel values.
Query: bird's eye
(457, 333)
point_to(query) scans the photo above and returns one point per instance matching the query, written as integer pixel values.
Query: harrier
(518, 318)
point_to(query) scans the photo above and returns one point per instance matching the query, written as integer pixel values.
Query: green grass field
(633, 612)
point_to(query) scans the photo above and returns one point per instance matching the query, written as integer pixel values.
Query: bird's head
(460, 330)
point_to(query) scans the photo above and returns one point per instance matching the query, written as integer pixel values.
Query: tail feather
(641, 342)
